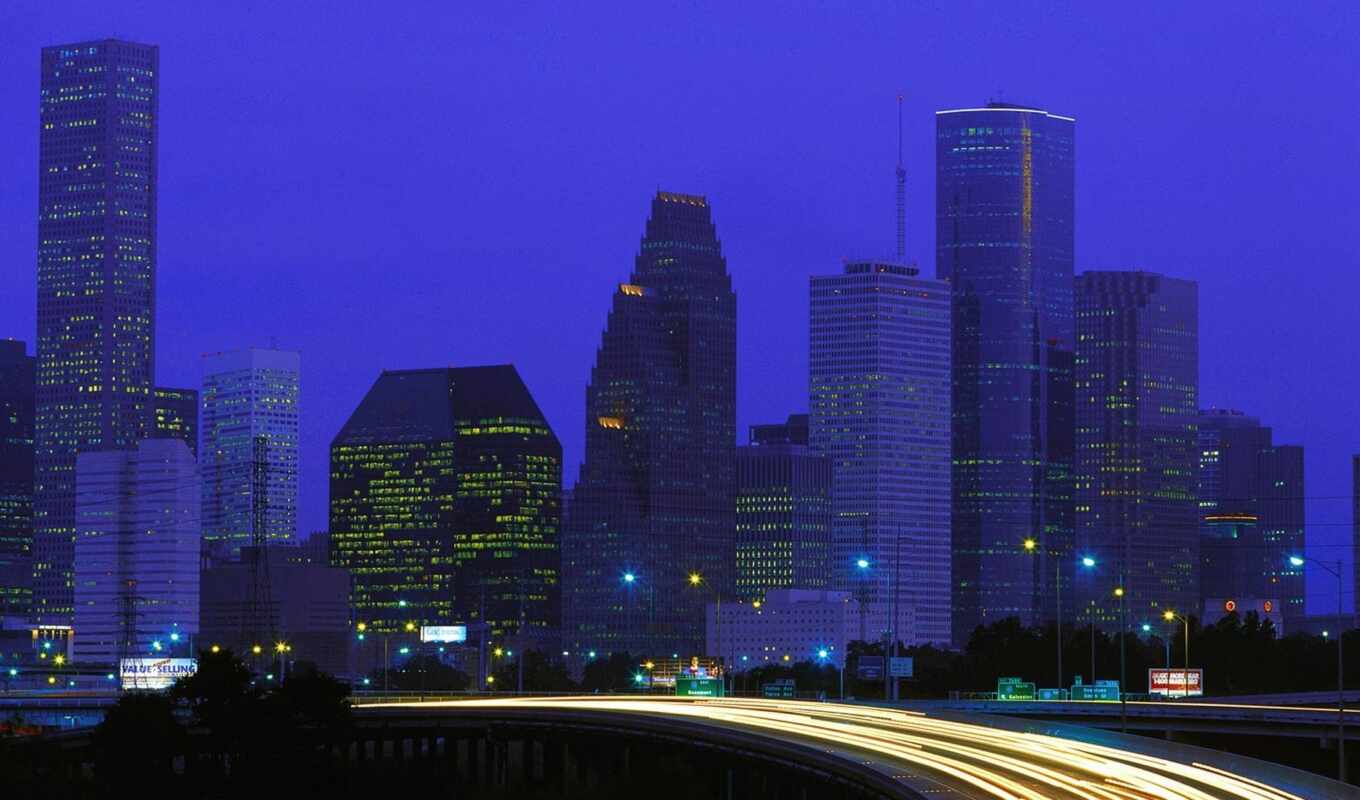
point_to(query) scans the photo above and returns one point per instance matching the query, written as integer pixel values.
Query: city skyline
(777, 316)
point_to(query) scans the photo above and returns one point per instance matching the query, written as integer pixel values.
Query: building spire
(901, 191)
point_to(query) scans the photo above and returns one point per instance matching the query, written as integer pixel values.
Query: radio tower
(901, 191)
(258, 621)
(127, 642)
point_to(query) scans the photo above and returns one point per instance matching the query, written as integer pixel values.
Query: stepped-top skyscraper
(249, 458)
(654, 502)
(96, 281)
(1004, 240)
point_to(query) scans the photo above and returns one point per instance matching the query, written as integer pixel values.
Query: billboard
(154, 673)
(443, 633)
(1176, 682)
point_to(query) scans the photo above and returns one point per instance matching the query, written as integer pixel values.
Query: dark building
(444, 495)
(308, 609)
(176, 415)
(783, 511)
(1355, 532)
(1137, 465)
(16, 479)
(655, 498)
(96, 281)
(1004, 240)
(1251, 508)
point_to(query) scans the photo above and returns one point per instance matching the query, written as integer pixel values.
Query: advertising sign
(154, 673)
(870, 668)
(443, 633)
(901, 667)
(1176, 682)
(1014, 689)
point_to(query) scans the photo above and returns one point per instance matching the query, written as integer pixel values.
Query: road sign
(1052, 694)
(870, 668)
(1014, 689)
(1176, 682)
(1105, 691)
(686, 686)
(784, 687)
(901, 667)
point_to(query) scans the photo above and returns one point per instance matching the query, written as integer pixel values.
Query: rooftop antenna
(901, 191)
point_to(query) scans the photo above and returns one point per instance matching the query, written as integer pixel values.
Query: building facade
(783, 511)
(136, 552)
(17, 370)
(97, 148)
(1251, 516)
(655, 499)
(444, 496)
(879, 382)
(176, 416)
(249, 458)
(1137, 464)
(1004, 240)
(788, 626)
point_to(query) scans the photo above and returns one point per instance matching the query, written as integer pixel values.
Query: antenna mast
(901, 191)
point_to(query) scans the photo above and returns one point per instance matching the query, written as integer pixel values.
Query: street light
(697, 580)
(1089, 563)
(1299, 561)
(1171, 616)
(1031, 545)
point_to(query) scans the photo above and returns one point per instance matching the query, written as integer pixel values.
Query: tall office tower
(656, 494)
(880, 402)
(1004, 241)
(783, 511)
(96, 281)
(1251, 516)
(445, 486)
(176, 416)
(1137, 464)
(249, 458)
(137, 550)
(16, 479)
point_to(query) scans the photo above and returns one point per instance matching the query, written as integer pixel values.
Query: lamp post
(1170, 616)
(696, 580)
(1031, 545)
(824, 655)
(1123, 624)
(1298, 561)
(1090, 563)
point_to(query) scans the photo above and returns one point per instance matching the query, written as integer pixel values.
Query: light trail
(976, 760)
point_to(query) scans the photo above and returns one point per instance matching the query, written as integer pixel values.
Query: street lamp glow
(401, 604)
(695, 579)
(156, 645)
(591, 654)
(174, 637)
(1087, 561)
(1296, 561)
(629, 577)
(256, 649)
(361, 627)
(1146, 627)
(410, 627)
(1030, 544)
(863, 563)
(281, 647)
(1119, 591)
(822, 653)
(1168, 615)
(498, 652)
(217, 648)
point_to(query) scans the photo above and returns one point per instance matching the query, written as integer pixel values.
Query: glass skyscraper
(1004, 241)
(1137, 464)
(655, 498)
(249, 459)
(176, 415)
(783, 511)
(16, 479)
(879, 380)
(96, 281)
(444, 503)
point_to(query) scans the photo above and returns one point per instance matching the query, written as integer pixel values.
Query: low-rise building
(787, 626)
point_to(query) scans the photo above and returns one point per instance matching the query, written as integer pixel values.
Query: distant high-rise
(655, 498)
(249, 458)
(16, 479)
(1251, 514)
(444, 495)
(1004, 240)
(1355, 529)
(137, 550)
(783, 511)
(176, 416)
(879, 378)
(1137, 464)
(96, 281)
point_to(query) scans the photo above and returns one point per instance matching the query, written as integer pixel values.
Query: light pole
(1170, 616)
(1298, 561)
(629, 580)
(1090, 563)
(1123, 625)
(824, 655)
(696, 580)
(1031, 545)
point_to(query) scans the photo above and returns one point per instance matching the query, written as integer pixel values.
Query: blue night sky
(418, 184)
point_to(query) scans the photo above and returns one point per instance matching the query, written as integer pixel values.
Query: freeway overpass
(867, 751)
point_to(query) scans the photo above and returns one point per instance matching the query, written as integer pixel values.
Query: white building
(249, 454)
(879, 380)
(136, 551)
(788, 626)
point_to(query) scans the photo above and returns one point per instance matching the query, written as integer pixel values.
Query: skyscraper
(783, 511)
(880, 409)
(249, 459)
(16, 479)
(176, 416)
(136, 551)
(1251, 509)
(1004, 241)
(655, 497)
(1137, 465)
(96, 281)
(445, 486)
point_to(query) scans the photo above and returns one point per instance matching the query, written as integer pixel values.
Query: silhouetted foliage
(422, 673)
(541, 674)
(612, 673)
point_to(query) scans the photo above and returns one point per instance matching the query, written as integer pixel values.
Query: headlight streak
(1006, 765)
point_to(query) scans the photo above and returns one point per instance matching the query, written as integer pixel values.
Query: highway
(937, 757)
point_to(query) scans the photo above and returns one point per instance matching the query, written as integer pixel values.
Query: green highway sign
(698, 687)
(1014, 689)
(1105, 691)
